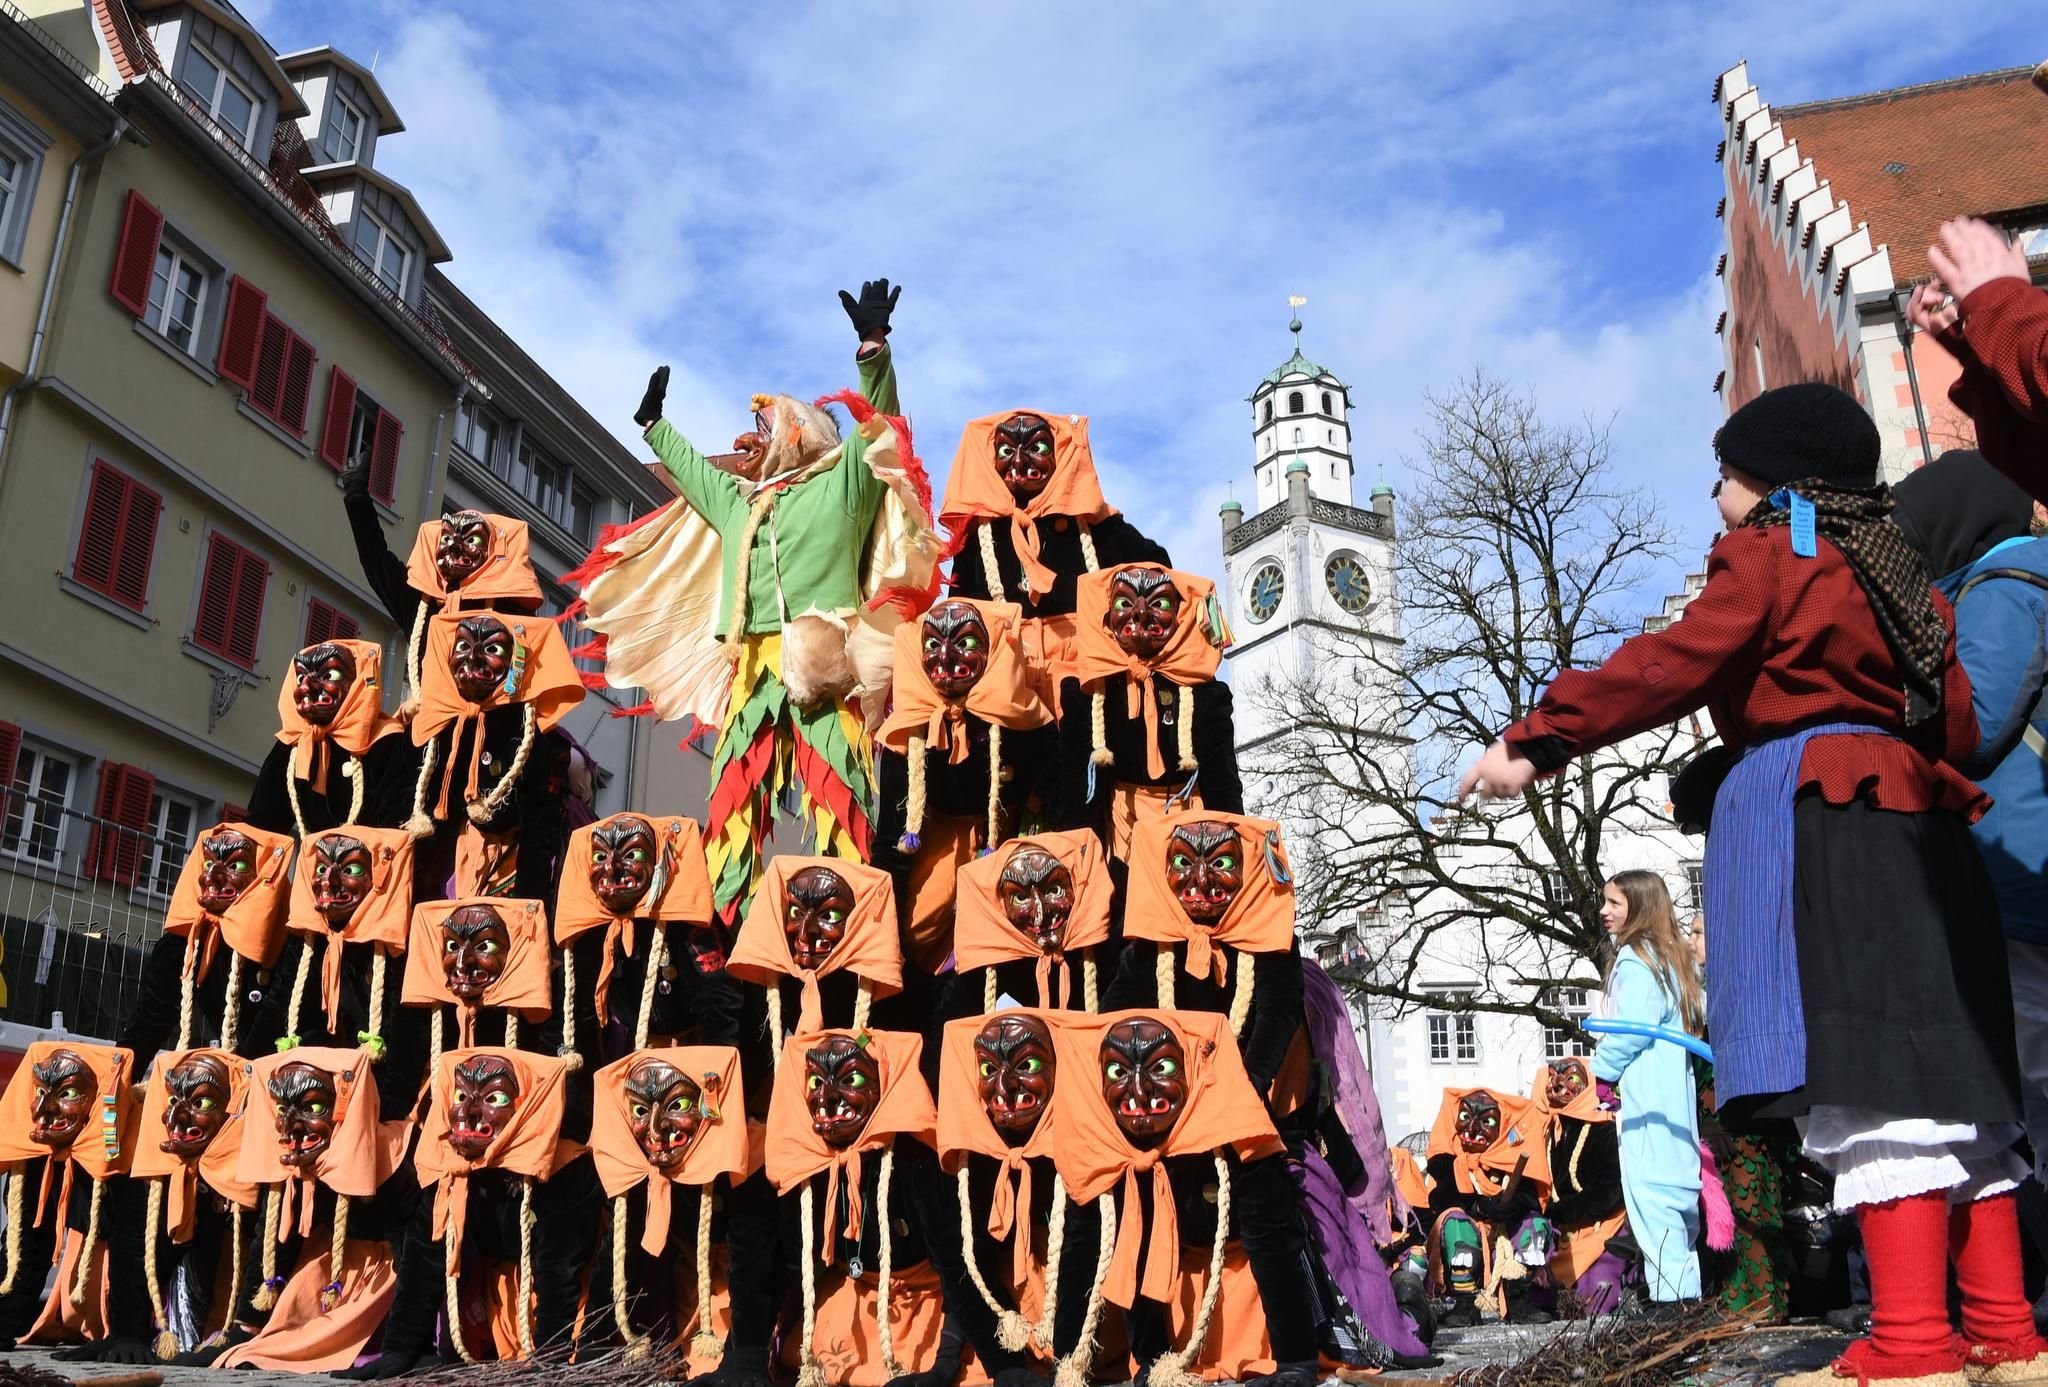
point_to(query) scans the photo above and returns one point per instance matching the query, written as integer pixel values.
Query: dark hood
(1956, 508)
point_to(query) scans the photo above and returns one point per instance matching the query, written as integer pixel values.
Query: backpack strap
(2020, 574)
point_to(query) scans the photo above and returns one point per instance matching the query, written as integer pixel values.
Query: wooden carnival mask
(227, 869)
(305, 1097)
(1015, 1061)
(842, 1084)
(1037, 892)
(1144, 611)
(1025, 455)
(474, 947)
(464, 545)
(1479, 1122)
(955, 648)
(666, 1109)
(480, 657)
(63, 1101)
(818, 904)
(321, 678)
(199, 1091)
(1144, 1079)
(623, 859)
(485, 1092)
(1567, 1080)
(343, 874)
(1205, 868)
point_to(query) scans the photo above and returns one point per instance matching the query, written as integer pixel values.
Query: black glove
(870, 314)
(650, 403)
(354, 480)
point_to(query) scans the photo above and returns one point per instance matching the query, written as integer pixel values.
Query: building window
(231, 587)
(476, 432)
(1294, 404)
(1558, 1042)
(22, 145)
(1297, 435)
(177, 299)
(221, 94)
(382, 250)
(582, 517)
(359, 430)
(117, 539)
(1269, 411)
(1327, 403)
(1453, 1035)
(1695, 887)
(328, 623)
(1756, 349)
(344, 129)
(33, 826)
(171, 821)
(1557, 890)
(281, 388)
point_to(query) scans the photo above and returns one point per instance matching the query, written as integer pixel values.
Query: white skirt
(1875, 1157)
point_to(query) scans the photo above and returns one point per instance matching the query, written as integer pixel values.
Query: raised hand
(1499, 774)
(870, 312)
(1970, 254)
(354, 480)
(650, 403)
(1930, 309)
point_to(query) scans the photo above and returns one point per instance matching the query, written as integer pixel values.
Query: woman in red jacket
(1859, 976)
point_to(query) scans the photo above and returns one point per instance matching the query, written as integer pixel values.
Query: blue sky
(1102, 208)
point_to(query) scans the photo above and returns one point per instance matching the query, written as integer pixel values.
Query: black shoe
(1463, 1314)
(1412, 1299)
(1850, 1319)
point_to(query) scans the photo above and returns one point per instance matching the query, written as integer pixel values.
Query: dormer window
(221, 95)
(382, 250)
(344, 129)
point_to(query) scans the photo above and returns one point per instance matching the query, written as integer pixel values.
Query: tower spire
(1295, 302)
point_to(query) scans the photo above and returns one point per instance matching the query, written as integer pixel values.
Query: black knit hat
(1799, 431)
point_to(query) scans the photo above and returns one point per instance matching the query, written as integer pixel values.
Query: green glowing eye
(814, 1083)
(1041, 447)
(499, 1100)
(987, 1069)
(1227, 863)
(857, 1080)
(639, 1112)
(1113, 1072)
(1166, 1069)
(1034, 1065)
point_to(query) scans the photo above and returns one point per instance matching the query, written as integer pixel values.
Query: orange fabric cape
(1523, 1143)
(869, 948)
(506, 576)
(381, 919)
(215, 1165)
(975, 489)
(523, 984)
(359, 721)
(965, 1130)
(254, 925)
(549, 682)
(1409, 1181)
(793, 1152)
(1259, 921)
(1003, 695)
(684, 897)
(1094, 1157)
(99, 1149)
(359, 1158)
(983, 935)
(1192, 655)
(1577, 1248)
(721, 1146)
(529, 1143)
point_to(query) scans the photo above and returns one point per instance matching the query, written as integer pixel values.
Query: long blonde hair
(1652, 926)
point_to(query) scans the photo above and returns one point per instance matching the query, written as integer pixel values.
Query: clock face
(1263, 598)
(1348, 585)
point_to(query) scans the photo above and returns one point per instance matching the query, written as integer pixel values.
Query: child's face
(1613, 908)
(1736, 493)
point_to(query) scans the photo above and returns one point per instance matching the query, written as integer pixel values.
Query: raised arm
(711, 493)
(383, 570)
(870, 317)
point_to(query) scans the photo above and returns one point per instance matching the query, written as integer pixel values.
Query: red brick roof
(129, 43)
(1968, 145)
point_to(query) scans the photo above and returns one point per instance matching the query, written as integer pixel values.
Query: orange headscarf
(546, 679)
(361, 1155)
(254, 924)
(216, 1164)
(1093, 1155)
(869, 948)
(358, 722)
(506, 576)
(1192, 655)
(975, 489)
(523, 984)
(795, 1152)
(101, 1148)
(1409, 1181)
(381, 919)
(528, 1143)
(1259, 921)
(681, 891)
(983, 936)
(721, 1147)
(1003, 695)
(1521, 1144)
(965, 1129)
(1584, 1107)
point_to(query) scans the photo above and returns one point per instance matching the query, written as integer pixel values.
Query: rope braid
(415, 656)
(995, 781)
(1011, 1330)
(1162, 972)
(1088, 548)
(296, 1010)
(337, 1251)
(1098, 730)
(1073, 1369)
(704, 1343)
(568, 1050)
(266, 1294)
(1184, 730)
(988, 990)
(421, 824)
(373, 1039)
(1241, 996)
(354, 771)
(235, 1238)
(291, 794)
(1578, 1150)
(991, 568)
(1055, 1239)
(512, 1030)
(884, 1337)
(863, 1003)
(808, 1373)
(83, 1272)
(165, 1344)
(526, 1268)
(454, 1307)
(16, 1216)
(1090, 998)
(657, 959)
(775, 1023)
(231, 1018)
(913, 803)
(483, 811)
(188, 988)
(1171, 1369)
(637, 1347)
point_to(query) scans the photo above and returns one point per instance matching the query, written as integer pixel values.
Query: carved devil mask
(342, 876)
(1024, 455)
(481, 655)
(1144, 609)
(622, 856)
(228, 869)
(465, 544)
(955, 648)
(63, 1100)
(305, 1099)
(666, 1109)
(1478, 1122)
(814, 917)
(1567, 1080)
(474, 943)
(1205, 868)
(1144, 1079)
(842, 1084)
(486, 1091)
(1037, 892)
(1014, 1058)
(321, 678)
(198, 1107)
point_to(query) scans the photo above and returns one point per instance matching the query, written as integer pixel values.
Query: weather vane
(1295, 302)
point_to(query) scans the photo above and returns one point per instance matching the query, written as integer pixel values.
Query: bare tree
(1520, 556)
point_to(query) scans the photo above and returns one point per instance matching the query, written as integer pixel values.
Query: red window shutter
(268, 390)
(252, 577)
(384, 457)
(233, 814)
(298, 384)
(346, 627)
(138, 546)
(115, 851)
(341, 412)
(99, 538)
(10, 754)
(319, 623)
(216, 594)
(142, 230)
(239, 338)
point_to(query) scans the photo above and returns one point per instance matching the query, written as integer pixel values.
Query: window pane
(237, 110)
(182, 321)
(367, 235)
(160, 284)
(391, 263)
(201, 76)
(582, 509)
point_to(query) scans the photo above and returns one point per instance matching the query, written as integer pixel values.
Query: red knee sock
(1984, 1240)
(1910, 1334)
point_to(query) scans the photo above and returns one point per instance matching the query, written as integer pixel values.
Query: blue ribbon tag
(1802, 521)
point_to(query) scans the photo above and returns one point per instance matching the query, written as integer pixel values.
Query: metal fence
(81, 900)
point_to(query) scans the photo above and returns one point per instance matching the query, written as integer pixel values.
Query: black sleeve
(936, 1198)
(1444, 1194)
(1136, 980)
(1599, 1176)
(569, 1208)
(1034, 757)
(892, 798)
(1216, 749)
(20, 1306)
(129, 1314)
(1510, 1206)
(270, 807)
(753, 1221)
(383, 570)
(1276, 1013)
(1339, 1151)
(391, 770)
(409, 1325)
(1072, 806)
(153, 1020)
(968, 579)
(1118, 541)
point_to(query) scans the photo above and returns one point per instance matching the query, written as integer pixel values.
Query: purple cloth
(1335, 1043)
(1350, 1256)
